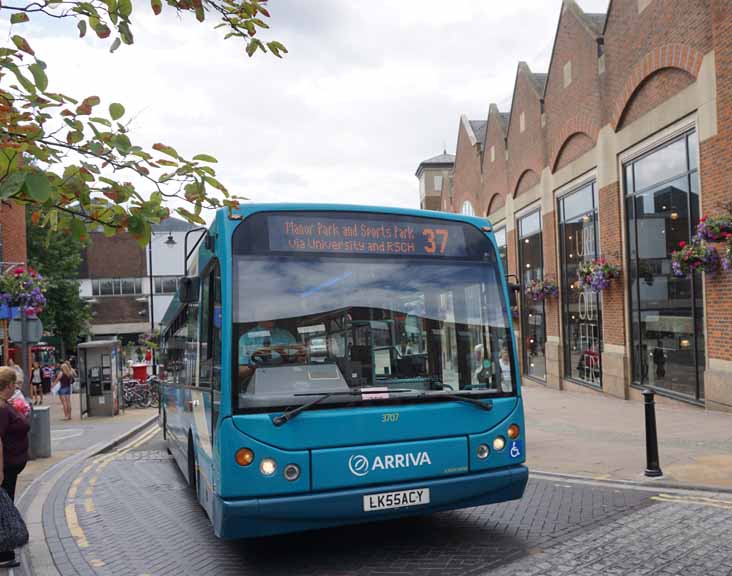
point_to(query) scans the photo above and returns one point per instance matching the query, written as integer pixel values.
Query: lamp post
(170, 241)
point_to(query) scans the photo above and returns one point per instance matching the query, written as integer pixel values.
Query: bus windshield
(309, 324)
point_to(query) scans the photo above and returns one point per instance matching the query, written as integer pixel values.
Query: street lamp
(170, 241)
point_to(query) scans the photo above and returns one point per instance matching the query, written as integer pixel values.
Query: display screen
(360, 234)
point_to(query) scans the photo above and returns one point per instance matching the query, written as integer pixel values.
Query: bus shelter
(100, 377)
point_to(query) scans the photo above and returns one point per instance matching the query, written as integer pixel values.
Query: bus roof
(247, 209)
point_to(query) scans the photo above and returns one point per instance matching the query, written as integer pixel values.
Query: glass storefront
(533, 324)
(500, 236)
(667, 320)
(580, 307)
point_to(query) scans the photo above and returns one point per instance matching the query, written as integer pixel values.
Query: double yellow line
(698, 500)
(96, 466)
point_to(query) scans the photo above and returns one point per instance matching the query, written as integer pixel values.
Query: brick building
(13, 248)
(115, 277)
(614, 152)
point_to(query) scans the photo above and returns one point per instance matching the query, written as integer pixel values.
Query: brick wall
(613, 303)
(549, 235)
(495, 166)
(12, 220)
(116, 257)
(716, 181)
(526, 149)
(119, 310)
(466, 175)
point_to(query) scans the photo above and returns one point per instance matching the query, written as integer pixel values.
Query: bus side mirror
(188, 288)
(513, 289)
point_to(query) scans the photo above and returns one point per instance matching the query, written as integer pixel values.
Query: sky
(368, 90)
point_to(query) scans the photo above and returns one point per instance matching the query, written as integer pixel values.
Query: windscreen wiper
(487, 406)
(290, 414)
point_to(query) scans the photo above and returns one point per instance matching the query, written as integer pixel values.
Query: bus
(325, 365)
(44, 354)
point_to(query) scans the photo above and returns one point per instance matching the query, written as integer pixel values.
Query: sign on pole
(34, 330)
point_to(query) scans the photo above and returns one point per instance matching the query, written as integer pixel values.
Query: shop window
(533, 322)
(667, 316)
(500, 236)
(580, 307)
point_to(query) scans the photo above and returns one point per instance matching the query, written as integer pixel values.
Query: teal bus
(324, 365)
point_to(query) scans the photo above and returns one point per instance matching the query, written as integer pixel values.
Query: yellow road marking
(98, 464)
(699, 500)
(72, 521)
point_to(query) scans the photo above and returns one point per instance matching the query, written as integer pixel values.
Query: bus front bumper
(278, 515)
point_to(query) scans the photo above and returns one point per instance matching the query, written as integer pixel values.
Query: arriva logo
(358, 464)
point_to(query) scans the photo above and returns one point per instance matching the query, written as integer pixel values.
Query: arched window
(467, 209)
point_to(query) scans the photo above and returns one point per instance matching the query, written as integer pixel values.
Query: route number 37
(436, 238)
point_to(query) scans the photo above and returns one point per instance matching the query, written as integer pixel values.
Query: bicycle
(135, 392)
(154, 389)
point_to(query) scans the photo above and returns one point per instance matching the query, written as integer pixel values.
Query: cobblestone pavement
(131, 513)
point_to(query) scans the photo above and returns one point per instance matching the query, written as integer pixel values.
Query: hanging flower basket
(596, 274)
(22, 287)
(697, 255)
(539, 290)
(715, 228)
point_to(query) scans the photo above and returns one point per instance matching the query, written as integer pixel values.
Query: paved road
(131, 513)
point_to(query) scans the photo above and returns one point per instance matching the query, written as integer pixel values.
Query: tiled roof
(539, 81)
(478, 127)
(596, 22)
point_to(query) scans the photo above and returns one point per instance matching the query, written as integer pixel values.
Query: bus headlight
(292, 472)
(514, 431)
(482, 451)
(499, 443)
(268, 466)
(244, 457)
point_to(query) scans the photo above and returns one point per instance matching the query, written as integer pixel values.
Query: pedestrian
(65, 378)
(37, 384)
(14, 428)
(47, 377)
(18, 371)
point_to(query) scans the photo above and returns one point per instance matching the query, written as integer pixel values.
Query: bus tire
(192, 469)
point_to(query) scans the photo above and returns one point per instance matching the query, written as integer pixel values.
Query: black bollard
(653, 469)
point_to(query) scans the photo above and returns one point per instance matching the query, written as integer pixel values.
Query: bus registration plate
(400, 499)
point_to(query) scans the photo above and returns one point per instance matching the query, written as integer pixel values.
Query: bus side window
(216, 320)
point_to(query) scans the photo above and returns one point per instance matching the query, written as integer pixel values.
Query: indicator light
(514, 431)
(244, 457)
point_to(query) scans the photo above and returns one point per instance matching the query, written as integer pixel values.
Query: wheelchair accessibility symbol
(515, 450)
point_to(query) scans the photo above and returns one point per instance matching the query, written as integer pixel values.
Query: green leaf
(102, 121)
(78, 230)
(252, 47)
(39, 76)
(126, 33)
(116, 44)
(11, 184)
(166, 150)
(19, 18)
(81, 25)
(205, 158)
(116, 110)
(124, 8)
(22, 44)
(157, 6)
(122, 143)
(27, 84)
(211, 181)
(37, 186)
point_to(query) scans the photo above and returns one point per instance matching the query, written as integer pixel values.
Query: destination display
(359, 235)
